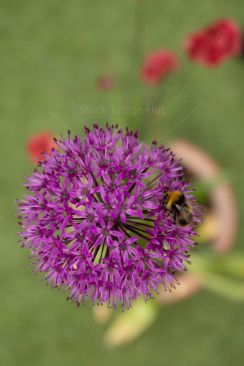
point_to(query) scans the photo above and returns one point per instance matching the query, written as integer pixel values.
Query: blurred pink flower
(215, 43)
(157, 65)
(40, 144)
(105, 82)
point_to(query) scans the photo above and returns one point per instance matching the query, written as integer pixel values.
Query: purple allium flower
(96, 221)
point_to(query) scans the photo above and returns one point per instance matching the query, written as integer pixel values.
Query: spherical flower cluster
(157, 65)
(95, 218)
(214, 44)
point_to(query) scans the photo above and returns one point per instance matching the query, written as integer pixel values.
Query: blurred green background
(52, 53)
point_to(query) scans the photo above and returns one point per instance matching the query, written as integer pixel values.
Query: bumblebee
(180, 208)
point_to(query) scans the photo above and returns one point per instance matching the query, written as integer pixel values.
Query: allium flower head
(95, 218)
(214, 44)
(157, 65)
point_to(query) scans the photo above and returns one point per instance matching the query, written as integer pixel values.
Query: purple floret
(96, 221)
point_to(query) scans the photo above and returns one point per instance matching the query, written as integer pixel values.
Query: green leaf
(223, 286)
(131, 323)
(223, 275)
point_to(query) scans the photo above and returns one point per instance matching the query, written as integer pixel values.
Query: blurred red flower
(157, 65)
(105, 82)
(215, 43)
(39, 144)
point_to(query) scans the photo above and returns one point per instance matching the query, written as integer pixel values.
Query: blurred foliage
(223, 275)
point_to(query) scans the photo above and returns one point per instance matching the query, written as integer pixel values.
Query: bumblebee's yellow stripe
(172, 198)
